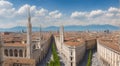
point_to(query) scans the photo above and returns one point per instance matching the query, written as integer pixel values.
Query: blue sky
(56, 12)
(69, 5)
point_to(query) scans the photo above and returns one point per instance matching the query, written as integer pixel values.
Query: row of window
(14, 52)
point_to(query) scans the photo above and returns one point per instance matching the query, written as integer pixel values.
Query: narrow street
(85, 58)
(60, 56)
(48, 56)
(95, 61)
(46, 59)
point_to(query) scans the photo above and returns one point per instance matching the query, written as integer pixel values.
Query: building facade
(108, 52)
(71, 51)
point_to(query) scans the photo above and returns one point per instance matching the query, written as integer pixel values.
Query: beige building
(108, 51)
(90, 43)
(71, 49)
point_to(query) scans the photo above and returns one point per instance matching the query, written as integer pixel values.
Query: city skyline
(59, 33)
(54, 13)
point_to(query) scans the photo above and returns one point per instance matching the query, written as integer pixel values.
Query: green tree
(56, 60)
(89, 58)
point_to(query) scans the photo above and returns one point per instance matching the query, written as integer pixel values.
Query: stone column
(8, 53)
(18, 53)
(3, 53)
(12, 53)
(74, 56)
(23, 53)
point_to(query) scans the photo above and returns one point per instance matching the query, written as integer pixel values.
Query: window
(71, 64)
(6, 52)
(20, 53)
(17, 64)
(71, 58)
(11, 52)
(16, 53)
(71, 52)
(34, 46)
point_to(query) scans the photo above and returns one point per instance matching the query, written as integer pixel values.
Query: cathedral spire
(40, 33)
(62, 34)
(29, 18)
(29, 34)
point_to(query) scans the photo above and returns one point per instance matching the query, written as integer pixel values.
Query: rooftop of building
(76, 38)
(17, 39)
(111, 42)
(14, 45)
(108, 39)
(74, 41)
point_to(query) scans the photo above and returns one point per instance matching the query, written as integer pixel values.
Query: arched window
(6, 52)
(20, 53)
(34, 46)
(15, 53)
(11, 52)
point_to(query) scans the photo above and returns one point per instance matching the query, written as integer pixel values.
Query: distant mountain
(92, 27)
(67, 28)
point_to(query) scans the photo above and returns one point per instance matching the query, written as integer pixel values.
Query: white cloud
(13, 17)
(55, 14)
(96, 13)
(112, 9)
(6, 9)
(10, 16)
(111, 12)
(5, 4)
(42, 12)
(110, 16)
(93, 13)
(77, 14)
(24, 9)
